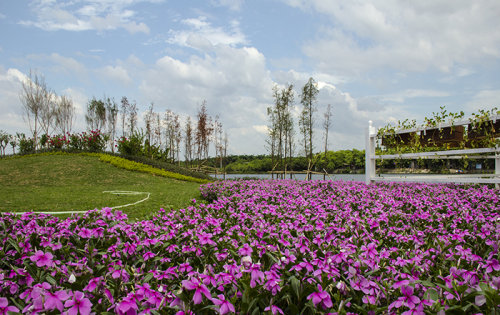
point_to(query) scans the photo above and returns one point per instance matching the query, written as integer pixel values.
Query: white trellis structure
(481, 153)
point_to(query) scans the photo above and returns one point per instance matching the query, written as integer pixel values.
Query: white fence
(371, 158)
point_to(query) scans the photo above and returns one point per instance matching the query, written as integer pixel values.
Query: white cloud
(117, 73)
(234, 5)
(405, 36)
(234, 82)
(402, 96)
(202, 35)
(11, 119)
(86, 15)
(484, 100)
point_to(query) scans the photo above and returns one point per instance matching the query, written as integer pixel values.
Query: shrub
(26, 145)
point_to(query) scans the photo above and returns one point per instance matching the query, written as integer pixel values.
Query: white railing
(371, 158)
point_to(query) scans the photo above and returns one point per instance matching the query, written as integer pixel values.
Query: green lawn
(76, 182)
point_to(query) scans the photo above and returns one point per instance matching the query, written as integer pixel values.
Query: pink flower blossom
(79, 304)
(199, 290)
(321, 297)
(224, 305)
(5, 308)
(42, 259)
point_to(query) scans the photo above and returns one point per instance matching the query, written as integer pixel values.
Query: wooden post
(370, 154)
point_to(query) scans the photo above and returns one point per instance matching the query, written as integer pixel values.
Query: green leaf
(295, 286)
(148, 277)
(51, 280)
(431, 294)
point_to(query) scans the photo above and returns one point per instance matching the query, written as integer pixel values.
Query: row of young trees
(163, 131)
(46, 113)
(44, 110)
(281, 140)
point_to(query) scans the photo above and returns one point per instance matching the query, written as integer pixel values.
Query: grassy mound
(75, 182)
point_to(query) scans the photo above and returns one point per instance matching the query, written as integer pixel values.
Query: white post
(370, 154)
(497, 163)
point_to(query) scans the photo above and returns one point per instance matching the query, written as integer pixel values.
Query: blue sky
(383, 60)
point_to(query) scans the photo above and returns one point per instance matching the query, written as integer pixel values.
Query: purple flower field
(275, 247)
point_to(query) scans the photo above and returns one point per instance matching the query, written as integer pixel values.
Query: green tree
(96, 114)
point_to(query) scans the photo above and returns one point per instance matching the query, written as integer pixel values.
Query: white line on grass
(113, 192)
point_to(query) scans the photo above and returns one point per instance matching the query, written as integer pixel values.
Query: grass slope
(74, 182)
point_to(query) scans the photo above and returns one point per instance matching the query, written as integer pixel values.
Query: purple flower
(245, 250)
(128, 305)
(93, 283)
(79, 304)
(206, 238)
(321, 297)
(408, 299)
(200, 290)
(5, 308)
(370, 250)
(256, 275)
(224, 305)
(55, 300)
(491, 265)
(42, 259)
(273, 309)
(148, 255)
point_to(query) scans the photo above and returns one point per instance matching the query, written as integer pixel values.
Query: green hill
(76, 182)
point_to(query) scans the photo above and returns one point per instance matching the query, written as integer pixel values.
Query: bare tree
(125, 110)
(282, 121)
(48, 114)
(132, 118)
(188, 141)
(177, 137)
(65, 114)
(157, 129)
(326, 124)
(168, 122)
(203, 132)
(218, 140)
(36, 100)
(308, 99)
(148, 121)
(112, 117)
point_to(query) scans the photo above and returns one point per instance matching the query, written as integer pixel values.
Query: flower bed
(265, 246)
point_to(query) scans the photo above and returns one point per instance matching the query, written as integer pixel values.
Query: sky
(384, 61)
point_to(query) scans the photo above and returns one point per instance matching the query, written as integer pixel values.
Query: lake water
(457, 178)
(344, 177)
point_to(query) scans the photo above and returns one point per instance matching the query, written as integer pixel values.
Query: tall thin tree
(326, 124)
(96, 114)
(132, 117)
(308, 98)
(188, 142)
(35, 98)
(125, 109)
(65, 114)
(112, 113)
